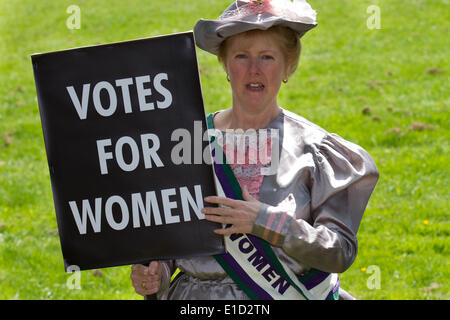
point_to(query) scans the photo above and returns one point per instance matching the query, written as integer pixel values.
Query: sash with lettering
(251, 262)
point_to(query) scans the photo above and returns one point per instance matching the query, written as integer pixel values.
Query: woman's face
(256, 67)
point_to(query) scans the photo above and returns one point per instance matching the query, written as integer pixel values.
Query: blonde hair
(287, 39)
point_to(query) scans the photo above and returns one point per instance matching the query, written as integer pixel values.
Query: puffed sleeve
(341, 181)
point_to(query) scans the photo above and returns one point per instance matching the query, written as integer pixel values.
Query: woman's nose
(254, 66)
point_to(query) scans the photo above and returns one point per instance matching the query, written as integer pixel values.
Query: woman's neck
(240, 118)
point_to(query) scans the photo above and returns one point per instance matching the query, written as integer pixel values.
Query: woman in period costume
(291, 199)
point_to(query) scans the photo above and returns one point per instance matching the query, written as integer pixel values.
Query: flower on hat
(294, 10)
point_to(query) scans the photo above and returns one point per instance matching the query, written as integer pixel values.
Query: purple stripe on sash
(245, 278)
(220, 173)
(315, 280)
(332, 292)
(336, 287)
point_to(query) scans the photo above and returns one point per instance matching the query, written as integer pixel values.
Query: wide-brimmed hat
(245, 15)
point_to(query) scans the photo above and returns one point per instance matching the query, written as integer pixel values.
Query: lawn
(385, 89)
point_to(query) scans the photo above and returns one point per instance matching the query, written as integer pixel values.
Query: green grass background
(386, 89)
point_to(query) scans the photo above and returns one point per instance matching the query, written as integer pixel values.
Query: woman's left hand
(240, 214)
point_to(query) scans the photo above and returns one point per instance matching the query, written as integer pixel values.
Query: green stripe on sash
(335, 296)
(241, 284)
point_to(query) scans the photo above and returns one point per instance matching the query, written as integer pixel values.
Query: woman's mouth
(255, 86)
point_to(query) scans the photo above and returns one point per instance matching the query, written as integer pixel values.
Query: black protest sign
(124, 130)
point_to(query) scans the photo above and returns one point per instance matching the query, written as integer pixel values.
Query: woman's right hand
(146, 280)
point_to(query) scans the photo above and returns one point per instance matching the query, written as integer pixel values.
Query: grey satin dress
(322, 183)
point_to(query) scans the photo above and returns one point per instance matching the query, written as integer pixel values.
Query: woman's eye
(241, 56)
(266, 57)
